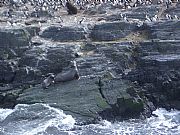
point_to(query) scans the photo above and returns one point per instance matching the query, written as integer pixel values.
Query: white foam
(42, 119)
(35, 119)
(165, 119)
(4, 113)
(166, 123)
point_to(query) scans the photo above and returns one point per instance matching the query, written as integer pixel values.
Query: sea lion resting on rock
(48, 81)
(69, 75)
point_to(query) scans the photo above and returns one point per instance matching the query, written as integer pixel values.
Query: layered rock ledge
(128, 65)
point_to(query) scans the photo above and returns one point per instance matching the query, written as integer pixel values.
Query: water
(41, 119)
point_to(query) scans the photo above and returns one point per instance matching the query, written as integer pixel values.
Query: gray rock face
(116, 57)
(166, 30)
(70, 97)
(96, 77)
(112, 31)
(41, 60)
(63, 33)
(41, 13)
(22, 64)
(33, 30)
(8, 96)
(122, 96)
(13, 42)
(7, 72)
(43, 57)
(127, 68)
(158, 72)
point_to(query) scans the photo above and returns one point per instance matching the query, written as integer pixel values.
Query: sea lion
(70, 8)
(69, 75)
(48, 81)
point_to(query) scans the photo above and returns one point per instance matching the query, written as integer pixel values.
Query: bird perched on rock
(71, 9)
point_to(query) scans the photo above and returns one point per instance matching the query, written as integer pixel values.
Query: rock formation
(128, 60)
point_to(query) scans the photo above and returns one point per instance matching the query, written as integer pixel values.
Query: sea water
(41, 119)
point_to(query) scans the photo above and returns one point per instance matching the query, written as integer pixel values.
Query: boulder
(118, 94)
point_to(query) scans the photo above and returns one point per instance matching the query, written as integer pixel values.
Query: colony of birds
(57, 4)
(72, 6)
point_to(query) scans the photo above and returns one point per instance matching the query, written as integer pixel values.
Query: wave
(162, 123)
(34, 119)
(41, 119)
(4, 113)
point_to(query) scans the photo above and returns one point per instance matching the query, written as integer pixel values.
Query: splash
(4, 113)
(35, 119)
(163, 123)
(42, 119)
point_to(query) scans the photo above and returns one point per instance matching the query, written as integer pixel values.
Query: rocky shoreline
(128, 65)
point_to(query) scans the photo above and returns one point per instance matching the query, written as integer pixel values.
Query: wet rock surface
(158, 72)
(63, 34)
(13, 42)
(112, 31)
(128, 61)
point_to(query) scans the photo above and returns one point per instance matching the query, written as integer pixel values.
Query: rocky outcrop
(100, 70)
(158, 65)
(13, 43)
(24, 63)
(128, 63)
(70, 96)
(8, 96)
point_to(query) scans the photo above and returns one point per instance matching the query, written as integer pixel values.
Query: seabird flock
(55, 5)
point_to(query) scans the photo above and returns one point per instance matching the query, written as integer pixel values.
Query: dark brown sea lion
(70, 8)
(69, 75)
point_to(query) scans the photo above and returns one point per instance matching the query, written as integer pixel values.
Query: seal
(69, 75)
(48, 81)
(70, 8)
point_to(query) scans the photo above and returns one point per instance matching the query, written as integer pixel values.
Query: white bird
(155, 18)
(147, 18)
